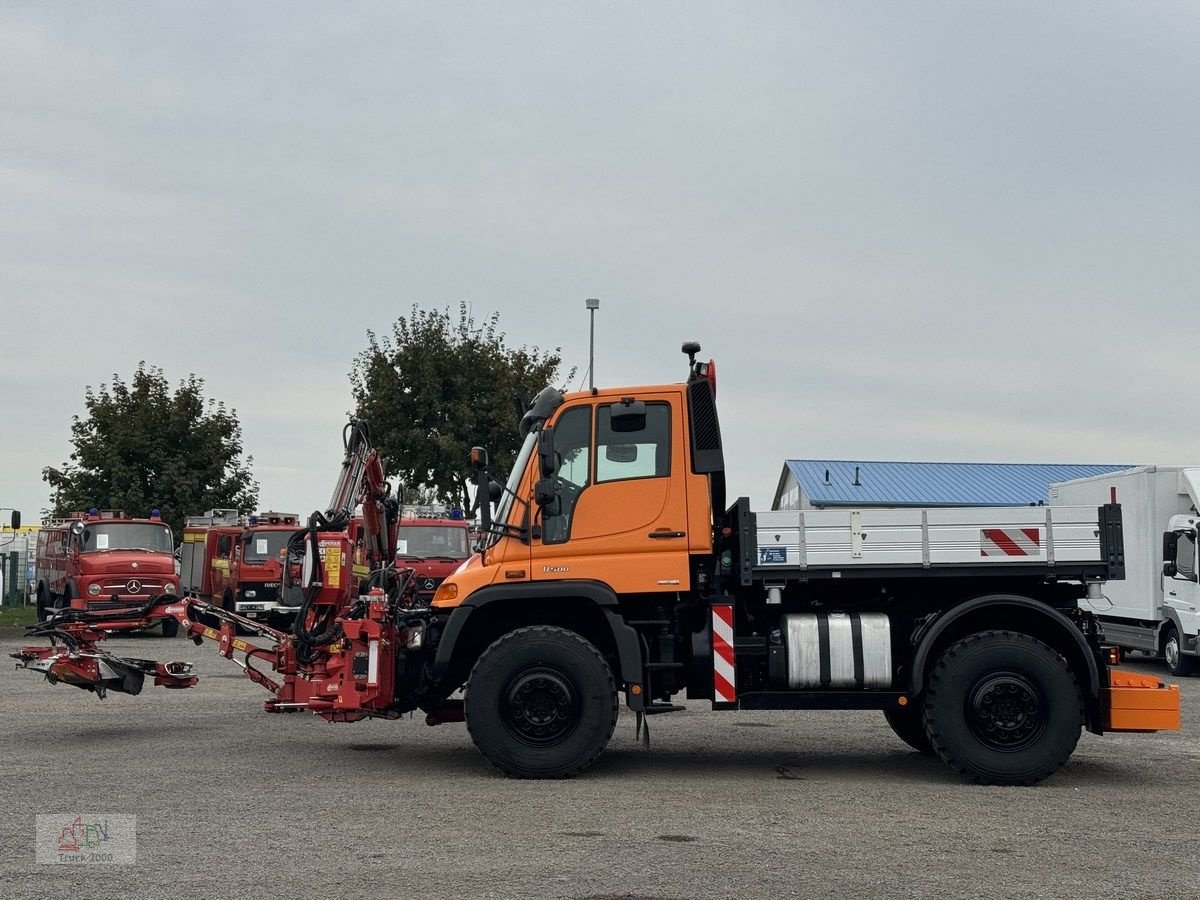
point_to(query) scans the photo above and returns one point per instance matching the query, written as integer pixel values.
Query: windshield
(127, 536)
(510, 492)
(264, 545)
(432, 540)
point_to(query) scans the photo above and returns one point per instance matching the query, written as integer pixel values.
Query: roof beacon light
(456, 514)
(155, 513)
(93, 513)
(253, 521)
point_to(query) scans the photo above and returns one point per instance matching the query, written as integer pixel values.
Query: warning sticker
(333, 568)
(772, 556)
(102, 541)
(260, 545)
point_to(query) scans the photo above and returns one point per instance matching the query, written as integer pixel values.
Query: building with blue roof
(825, 483)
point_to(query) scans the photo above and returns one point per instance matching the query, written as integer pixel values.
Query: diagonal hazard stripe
(1005, 546)
(723, 691)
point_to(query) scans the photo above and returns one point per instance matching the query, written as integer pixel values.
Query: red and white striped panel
(724, 674)
(1010, 541)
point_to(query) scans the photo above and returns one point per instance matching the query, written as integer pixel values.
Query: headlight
(168, 587)
(249, 593)
(94, 590)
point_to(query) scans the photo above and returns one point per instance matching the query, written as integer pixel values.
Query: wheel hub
(1006, 711)
(540, 707)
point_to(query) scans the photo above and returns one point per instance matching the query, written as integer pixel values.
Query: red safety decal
(724, 673)
(1010, 541)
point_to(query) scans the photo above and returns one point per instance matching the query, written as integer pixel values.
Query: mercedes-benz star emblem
(133, 586)
(428, 584)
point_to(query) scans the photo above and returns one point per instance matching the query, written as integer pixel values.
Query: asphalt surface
(231, 801)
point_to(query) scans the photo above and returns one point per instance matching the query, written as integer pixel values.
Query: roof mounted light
(156, 513)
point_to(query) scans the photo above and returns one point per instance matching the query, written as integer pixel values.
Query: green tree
(143, 446)
(439, 385)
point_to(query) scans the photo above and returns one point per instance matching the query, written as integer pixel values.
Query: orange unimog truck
(236, 562)
(614, 563)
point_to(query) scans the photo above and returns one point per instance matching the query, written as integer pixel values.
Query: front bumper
(263, 609)
(1134, 702)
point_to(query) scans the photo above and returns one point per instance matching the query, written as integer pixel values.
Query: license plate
(249, 606)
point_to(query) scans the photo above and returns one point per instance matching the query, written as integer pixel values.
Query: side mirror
(543, 492)
(629, 416)
(16, 520)
(621, 453)
(547, 458)
(1170, 548)
(1169, 570)
(495, 492)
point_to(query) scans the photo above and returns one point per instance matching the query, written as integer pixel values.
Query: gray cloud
(926, 231)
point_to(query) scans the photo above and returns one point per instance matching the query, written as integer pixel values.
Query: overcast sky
(905, 231)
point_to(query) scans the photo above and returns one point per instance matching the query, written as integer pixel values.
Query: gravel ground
(232, 801)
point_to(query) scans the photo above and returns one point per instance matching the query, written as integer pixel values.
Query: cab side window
(1185, 556)
(621, 456)
(572, 444)
(224, 545)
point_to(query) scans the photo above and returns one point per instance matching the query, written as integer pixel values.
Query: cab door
(1181, 592)
(619, 513)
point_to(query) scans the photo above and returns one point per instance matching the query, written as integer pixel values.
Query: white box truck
(1157, 607)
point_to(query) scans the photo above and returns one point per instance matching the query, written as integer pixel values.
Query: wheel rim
(1006, 711)
(540, 706)
(1171, 651)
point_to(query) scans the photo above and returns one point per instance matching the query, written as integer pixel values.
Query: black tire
(1177, 664)
(541, 703)
(1003, 708)
(909, 725)
(42, 604)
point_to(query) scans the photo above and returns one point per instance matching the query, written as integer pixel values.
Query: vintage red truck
(103, 559)
(236, 562)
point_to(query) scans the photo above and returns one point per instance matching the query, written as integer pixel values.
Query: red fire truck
(433, 542)
(103, 559)
(236, 562)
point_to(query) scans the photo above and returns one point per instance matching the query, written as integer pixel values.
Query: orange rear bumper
(1134, 702)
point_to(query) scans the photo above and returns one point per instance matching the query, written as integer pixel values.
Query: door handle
(663, 533)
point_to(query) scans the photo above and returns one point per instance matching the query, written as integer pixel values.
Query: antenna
(592, 305)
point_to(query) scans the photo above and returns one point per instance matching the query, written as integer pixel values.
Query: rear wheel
(909, 725)
(42, 603)
(1003, 708)
(541, 703)
(1177, 663)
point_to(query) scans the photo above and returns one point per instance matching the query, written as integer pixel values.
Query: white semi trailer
(1157, 607)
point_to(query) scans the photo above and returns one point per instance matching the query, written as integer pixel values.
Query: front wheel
(1003, 708)
(1177, 663)
(541, 703)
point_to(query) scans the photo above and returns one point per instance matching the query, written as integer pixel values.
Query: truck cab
(236, 562)
(1181, 593)
(433, 542)
(102, 559)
